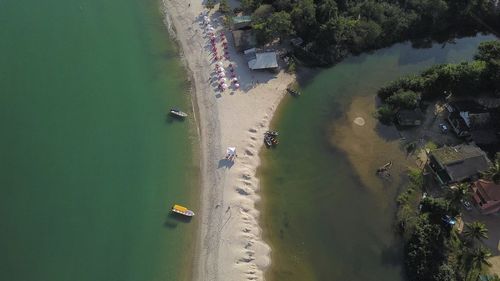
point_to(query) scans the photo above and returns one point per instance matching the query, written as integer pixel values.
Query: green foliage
(224, 7)
(462, 79)
(403, 99)
(430, 145)
(475, 231)
(416, 177)
(262, 12)
(456, 195)
(493, 173)
(275, 25)
(385, 114)
(425, 250)
(332, 29)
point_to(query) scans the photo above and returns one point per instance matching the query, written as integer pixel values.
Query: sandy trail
(230, 244)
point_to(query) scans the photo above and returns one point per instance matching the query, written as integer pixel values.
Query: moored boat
(272, 133)
(177, 113)
(293, 92)
(182, 210)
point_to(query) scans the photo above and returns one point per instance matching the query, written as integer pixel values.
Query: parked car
(443, 128)
(449, 220)
(467, 205)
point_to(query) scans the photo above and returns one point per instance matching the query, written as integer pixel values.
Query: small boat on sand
(177, 113)
(182, 210)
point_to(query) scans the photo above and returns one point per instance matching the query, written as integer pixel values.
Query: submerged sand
(230, 245)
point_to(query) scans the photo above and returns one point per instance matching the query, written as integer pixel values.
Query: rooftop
(263, 61)
(451, 155)
(461, 162)
(488, 189)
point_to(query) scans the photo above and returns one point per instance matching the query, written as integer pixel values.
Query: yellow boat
(182, 210)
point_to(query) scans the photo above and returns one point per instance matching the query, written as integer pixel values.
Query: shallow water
(325, 215)
(89, 163)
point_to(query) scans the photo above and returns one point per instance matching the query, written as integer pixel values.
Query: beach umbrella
(231, 151)
(235, 79)
(223, 80)
(222, 74)
(237, 85)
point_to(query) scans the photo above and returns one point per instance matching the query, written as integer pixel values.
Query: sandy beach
(230, 246)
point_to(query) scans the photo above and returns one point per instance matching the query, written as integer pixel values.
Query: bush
(385, 114)
(224, 7)
(404, 99)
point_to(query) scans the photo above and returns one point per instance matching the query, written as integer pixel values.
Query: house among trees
(407, 117)
(475, 122)
(465, 115)
(458, 163)
(486, 195)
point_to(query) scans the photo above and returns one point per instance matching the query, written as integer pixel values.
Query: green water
(89, 164)
(320, 220)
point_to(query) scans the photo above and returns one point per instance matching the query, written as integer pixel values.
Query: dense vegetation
(434, 250)
(478, 77)
(331, 29)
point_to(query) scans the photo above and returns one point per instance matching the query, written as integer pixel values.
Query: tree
(475, 231)
(385, 114)
(479, 258)
(457, 194)
(404, 99)
(280, 25)
(493, 173)
(224, 7)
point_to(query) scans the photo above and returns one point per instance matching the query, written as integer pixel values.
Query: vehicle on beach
(177, 113)
(182, 210)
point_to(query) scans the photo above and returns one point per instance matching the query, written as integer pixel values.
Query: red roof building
(486, 195)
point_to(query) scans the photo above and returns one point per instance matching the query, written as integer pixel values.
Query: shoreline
(229, 244)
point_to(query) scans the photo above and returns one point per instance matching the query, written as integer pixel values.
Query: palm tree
(475, 231)
(480, 257)
(458, 194)
(493, 173)
(477, 259)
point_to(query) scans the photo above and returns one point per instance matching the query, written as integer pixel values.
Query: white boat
(177, 113)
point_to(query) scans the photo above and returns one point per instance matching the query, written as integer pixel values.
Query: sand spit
(230, 245)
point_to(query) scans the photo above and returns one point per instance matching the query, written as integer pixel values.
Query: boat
(385, 168)
(182, 210)
(177, 113)
(293, 92)
(272, 133)
(268, 142)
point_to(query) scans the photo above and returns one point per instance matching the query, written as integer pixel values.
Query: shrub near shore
(467, 79)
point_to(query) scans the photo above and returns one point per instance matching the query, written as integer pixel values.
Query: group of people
(219, 65)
